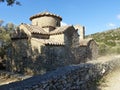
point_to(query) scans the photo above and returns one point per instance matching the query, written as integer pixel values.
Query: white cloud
(63, 24)
(118, 16)
(111, 25)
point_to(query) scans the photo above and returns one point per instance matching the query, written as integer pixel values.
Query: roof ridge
(39, 28)
(45, 14)
(28, 26)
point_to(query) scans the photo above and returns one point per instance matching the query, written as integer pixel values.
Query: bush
(103, 49)
(110, 43)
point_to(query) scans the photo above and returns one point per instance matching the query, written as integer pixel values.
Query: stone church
(45, 45)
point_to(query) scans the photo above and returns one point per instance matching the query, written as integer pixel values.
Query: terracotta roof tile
(39, 30)
(85, 42)
(52, 42)
(60, 30)
(49, 41)
(35, 29)
(45, 14)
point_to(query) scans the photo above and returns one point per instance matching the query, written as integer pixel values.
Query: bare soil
(111, 81)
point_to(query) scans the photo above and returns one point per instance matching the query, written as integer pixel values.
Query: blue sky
(95, 15)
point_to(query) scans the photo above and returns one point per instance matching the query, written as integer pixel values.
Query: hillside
(108, 41)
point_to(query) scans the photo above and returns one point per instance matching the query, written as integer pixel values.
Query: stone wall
(46, 21)
(86, 53)
(74, 77)
(26, 58)
(8, 77)
(31, 57)
(58, 56)
(57, 37)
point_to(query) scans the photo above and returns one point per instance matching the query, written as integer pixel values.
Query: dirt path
(111, 81)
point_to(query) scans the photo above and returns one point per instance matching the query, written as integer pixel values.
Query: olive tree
(10, 2)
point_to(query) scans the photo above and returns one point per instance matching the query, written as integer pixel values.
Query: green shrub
(102, 49)
(110, 43)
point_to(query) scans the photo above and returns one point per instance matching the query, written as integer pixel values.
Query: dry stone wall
(22, 59)
(74, 77)
(11, 77)
(32, 56)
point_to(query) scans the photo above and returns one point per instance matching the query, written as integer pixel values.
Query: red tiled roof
(61, 29)
(52, 42)
(85, 42)
(39, 30)
(35, 29)
(45, 14)
(49, 42)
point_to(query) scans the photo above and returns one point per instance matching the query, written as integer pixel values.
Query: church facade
(45, 45)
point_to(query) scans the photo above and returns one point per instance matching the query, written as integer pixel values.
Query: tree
(10, 2)
(5, 40)
(10, 26)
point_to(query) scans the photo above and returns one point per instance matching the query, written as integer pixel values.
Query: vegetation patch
(108, 41)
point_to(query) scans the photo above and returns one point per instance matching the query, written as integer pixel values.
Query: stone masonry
(83, 76)
(45, 45)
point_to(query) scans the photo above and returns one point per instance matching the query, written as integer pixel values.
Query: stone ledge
(80, 77)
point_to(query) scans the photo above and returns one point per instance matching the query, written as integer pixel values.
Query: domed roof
(45, 14)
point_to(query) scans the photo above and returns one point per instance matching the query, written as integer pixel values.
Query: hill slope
(108, 41)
